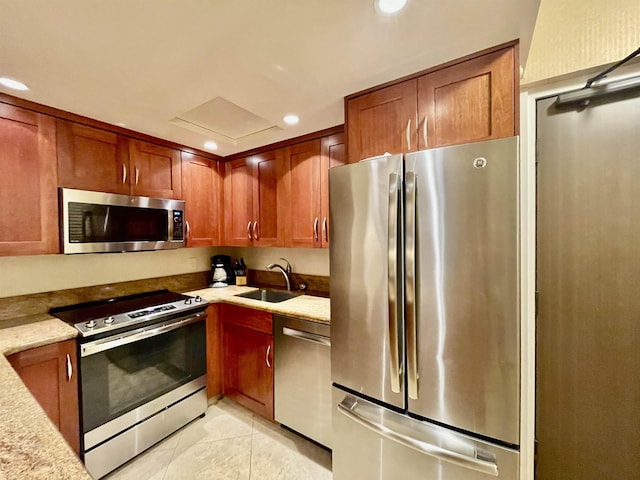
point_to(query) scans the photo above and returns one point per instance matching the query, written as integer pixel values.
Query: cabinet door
(248, 372)
(238, 202)
(202, 189)
(29, 199)
(268, 197)
(333, 155)
(50, 374)
(92, 159)
(303, 215)
(155, 170)
(468, 102)
(383, 121)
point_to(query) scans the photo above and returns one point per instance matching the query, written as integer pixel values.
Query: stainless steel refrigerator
(425, 314)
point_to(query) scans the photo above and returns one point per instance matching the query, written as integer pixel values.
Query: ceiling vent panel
(221, 117)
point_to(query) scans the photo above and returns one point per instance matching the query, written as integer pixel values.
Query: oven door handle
(125, 338)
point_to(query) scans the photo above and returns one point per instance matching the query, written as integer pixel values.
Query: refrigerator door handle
(410, 276)
(348, 407)
(392, 274)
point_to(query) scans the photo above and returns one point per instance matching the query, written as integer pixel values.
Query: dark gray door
(588, 275)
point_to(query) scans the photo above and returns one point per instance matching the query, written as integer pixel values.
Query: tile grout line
(253, 429)
(173, 454)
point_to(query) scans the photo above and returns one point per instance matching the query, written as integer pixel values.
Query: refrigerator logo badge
(480, 162)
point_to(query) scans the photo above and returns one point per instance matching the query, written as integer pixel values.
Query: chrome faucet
(285, 271)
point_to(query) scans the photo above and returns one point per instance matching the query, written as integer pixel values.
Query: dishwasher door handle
(309, 337)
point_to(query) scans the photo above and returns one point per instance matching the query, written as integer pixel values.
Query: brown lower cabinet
(50, 374)
(247, 357)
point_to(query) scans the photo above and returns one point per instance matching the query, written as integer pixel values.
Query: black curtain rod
(612, 68)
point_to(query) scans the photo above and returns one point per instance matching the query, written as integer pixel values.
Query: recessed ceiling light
(388, 7)
(291, 119)
(16, 85)
(211, 145)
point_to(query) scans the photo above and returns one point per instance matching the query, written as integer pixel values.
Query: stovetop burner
(101, 316)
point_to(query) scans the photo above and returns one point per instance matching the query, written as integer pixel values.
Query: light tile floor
(230, 442)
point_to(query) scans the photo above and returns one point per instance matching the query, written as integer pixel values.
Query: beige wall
(575, 35)
(23, 275)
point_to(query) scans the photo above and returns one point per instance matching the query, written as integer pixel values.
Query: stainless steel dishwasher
(303, 377)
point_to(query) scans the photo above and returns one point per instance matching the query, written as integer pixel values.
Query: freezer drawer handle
(348, 407)
(309, 337)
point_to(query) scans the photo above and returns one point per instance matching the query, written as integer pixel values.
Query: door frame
(528, 98)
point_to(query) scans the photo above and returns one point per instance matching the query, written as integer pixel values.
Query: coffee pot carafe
(221, 272)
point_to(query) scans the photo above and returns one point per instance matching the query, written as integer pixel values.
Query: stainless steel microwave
(95, 222)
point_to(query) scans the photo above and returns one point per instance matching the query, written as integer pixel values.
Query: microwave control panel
(178, 228)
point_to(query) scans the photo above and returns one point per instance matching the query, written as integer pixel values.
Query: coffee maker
(221, 273)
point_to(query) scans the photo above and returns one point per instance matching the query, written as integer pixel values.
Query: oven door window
(121, 379)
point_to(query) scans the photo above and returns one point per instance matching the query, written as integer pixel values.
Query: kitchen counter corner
(31, 447)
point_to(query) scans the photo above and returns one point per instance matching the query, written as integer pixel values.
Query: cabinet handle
(424, 132)
(188, 229)
(124, 173)
(409, 135)
(255, 230)
(69, 368)
(137, 175)
(325, 232)
(249, 230)
(315, 229)
(266, 357)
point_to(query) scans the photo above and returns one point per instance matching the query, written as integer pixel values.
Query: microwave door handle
(392, 281)
(87, 230)
(410, 275)
(106, 221)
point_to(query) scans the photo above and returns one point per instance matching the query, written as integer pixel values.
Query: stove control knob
(198, 298)
(188, 301)
(109, 320)
(90, 324)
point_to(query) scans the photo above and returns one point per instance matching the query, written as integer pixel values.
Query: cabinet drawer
(247, 318)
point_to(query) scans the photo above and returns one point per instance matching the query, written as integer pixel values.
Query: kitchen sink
(269, 295)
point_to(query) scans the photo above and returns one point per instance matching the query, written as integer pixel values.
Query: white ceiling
(142, 63)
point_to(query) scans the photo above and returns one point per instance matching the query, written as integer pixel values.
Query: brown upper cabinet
(308, 166)
(383, 121)
(303, 216)
(94, 159)
(155, 170)
(468, 101)
(29, 213)
(202, 191)
(254, 200)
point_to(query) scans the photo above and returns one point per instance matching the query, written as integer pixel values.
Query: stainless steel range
(142, 372)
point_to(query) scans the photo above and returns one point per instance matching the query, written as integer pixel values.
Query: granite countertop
(312, 308)
(30, 445)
